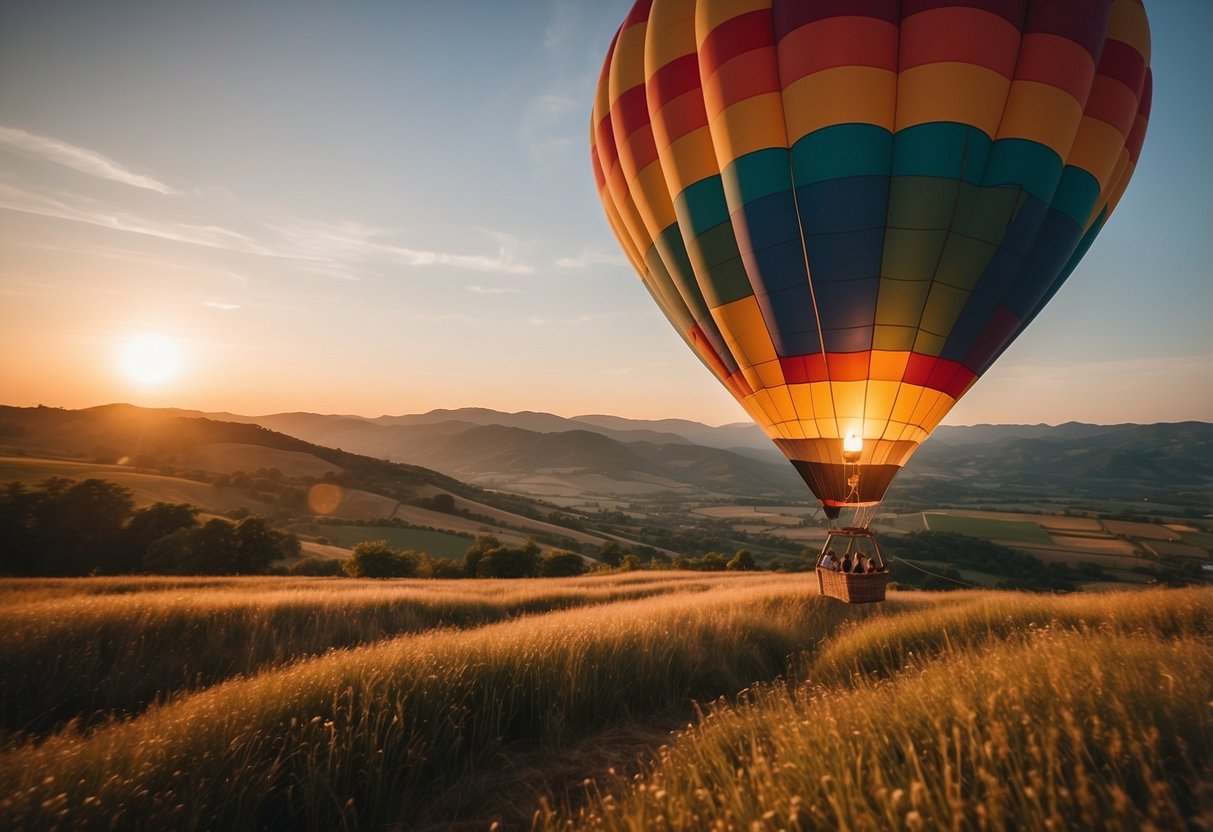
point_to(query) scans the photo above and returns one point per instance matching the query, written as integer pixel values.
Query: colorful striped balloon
(850, 208)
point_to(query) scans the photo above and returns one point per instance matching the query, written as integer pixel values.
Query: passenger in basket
(872, 567)
(828, 561)
(847, 563)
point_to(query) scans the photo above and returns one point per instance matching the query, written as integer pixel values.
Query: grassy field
(635, 701)
(1016, 531)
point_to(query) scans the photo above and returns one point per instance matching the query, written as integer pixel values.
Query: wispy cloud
(215, 304)
(591, 257)
(546, 123)
(77, 158)
(355, 241)
(562, 23)
(80, 209)
(490, 290)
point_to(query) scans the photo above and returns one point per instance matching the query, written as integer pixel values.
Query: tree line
(487, 557)
(90, 527)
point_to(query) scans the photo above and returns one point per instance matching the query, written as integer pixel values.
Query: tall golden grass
(95, 648)
(364, 736)
(1007, 713)
(980, 710)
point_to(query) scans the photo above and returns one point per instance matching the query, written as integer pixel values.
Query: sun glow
(151, 359)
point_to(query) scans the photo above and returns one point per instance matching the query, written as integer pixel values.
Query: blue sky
(388, 207)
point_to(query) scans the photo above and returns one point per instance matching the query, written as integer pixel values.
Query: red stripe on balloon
(1137, 135)
(1058, 61)
(837, 41)
(1113, 102)
(1123, 63)
(630, 111)
(679, 76)
(965, 35)
(734, 37)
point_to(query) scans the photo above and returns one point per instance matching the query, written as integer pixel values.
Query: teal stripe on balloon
(701, 206)
(755, 175)
(941, 149)
(1077, 194)
(717, 260)
(841, 151)
(1025, 164)
(673, 254)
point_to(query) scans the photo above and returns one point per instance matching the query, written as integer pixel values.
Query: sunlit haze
(385, 208)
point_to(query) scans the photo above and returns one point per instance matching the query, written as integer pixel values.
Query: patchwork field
(632, 701)
(988, 528)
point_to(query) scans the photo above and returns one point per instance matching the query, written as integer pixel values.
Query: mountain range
(541, 454)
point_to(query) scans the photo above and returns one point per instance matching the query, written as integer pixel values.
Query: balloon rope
(804, 250)
(913, 565)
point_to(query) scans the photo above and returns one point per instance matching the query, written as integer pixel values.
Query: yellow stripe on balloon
(840, 95)
(711, 13)
(1041, 113)
(1096, 150)
(951, 91)
(751, 124)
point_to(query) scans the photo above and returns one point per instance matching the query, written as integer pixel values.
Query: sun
(151, 359)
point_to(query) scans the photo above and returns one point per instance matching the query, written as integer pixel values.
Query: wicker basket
(853, 588)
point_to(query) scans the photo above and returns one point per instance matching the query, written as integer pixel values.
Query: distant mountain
(544, 454)
(1172, 461)
(1126, 460)
(153, 437)
(497, 449)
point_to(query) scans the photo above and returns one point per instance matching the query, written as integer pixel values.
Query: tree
(199, 550)
(742, 561)
(147, 525)
(482, 545)
(377, 559)
(559, 563)
(503, 562)
(442, 502)
(63, 528)
(447, 568)
(610, 553)
(258, 545)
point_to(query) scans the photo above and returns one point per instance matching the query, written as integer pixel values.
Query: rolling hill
(220, 466)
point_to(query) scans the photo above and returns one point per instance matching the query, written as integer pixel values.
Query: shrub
(561, 564)
(376, 559)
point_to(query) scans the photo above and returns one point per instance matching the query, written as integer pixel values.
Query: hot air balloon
(850, 208)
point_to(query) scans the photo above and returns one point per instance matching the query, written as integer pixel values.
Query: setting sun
(151, 359)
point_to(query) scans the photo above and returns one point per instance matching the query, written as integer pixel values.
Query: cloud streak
(354, 241)
(77, 158)
(330, 249)
(14, 198)
(591, 257)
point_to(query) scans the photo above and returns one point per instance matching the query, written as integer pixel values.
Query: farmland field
(245, 703)
(1018, 531)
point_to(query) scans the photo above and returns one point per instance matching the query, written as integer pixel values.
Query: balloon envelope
(850, 208)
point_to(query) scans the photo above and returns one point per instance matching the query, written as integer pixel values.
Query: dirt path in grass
(510, 792)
